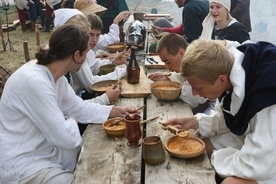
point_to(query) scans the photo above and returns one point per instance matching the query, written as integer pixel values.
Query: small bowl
(117, 130)
(187, 147)
(166, 90)
(102, 86)
(158, 37)
(116, 47)
(105, 69)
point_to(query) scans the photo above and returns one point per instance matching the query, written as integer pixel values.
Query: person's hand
(157, 76)
(120, 111)
(181, 123)
(121, 16)
(63, 3)
(121, 57)
(157, 29)
(43, 2)
(113, 93)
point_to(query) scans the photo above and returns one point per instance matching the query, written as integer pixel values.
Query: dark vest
(259, 64)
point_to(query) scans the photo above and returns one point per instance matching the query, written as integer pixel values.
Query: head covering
(89, 7)
(208, 22)
(225, 3)
(62, 15)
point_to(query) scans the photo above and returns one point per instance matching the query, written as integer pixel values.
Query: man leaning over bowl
(240, 134)
(171, 49)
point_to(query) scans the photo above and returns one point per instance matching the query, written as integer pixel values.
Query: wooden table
(105, 159)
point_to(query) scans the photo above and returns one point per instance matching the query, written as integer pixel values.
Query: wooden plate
(102, 86)
(185, 147)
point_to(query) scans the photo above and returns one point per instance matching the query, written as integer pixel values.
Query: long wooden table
(104, 159)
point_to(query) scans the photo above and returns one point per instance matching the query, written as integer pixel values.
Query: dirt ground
(10, 59)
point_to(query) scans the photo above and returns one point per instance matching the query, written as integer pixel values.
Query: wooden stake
(26, 51)
(2, 36)
(37, 37)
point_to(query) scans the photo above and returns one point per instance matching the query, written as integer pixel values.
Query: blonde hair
(206, 60)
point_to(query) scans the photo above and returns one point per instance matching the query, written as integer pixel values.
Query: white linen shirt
(88, 74)
(38, 123)
(52, 3)
(22, 4)
(112, 37)
(253, 154)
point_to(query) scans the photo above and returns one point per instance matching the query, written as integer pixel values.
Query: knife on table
(149, 60)
(153, 60)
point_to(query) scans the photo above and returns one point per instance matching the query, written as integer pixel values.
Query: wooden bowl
(158, 37)
(116, 47)
(188, 147)
(102, 86)
(166, 90)
(117, 130)
(105, 69)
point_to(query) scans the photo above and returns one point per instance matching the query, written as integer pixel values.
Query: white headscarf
(62, 15)
(225, 3)
(208, 22)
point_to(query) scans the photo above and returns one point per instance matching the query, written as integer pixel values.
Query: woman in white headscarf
(220, 25)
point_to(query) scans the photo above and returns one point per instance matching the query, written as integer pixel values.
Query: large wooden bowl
(116, 47)
(117, 130)
(108, 68)
(188, 147)
(102, 86)
(166, 90)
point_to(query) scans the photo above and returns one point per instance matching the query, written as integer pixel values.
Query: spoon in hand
(179, 133)
(115, 122)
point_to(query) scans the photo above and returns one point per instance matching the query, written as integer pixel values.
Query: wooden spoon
(142, 122)
(141, 107)
(115, 122)
(179, 133)
(119, 83)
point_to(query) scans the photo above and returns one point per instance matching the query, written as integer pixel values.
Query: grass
(13, 60)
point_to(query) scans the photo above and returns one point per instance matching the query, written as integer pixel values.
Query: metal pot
(136, 34)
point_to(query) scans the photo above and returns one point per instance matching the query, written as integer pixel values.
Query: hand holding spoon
(178, 132)
(115, 122)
